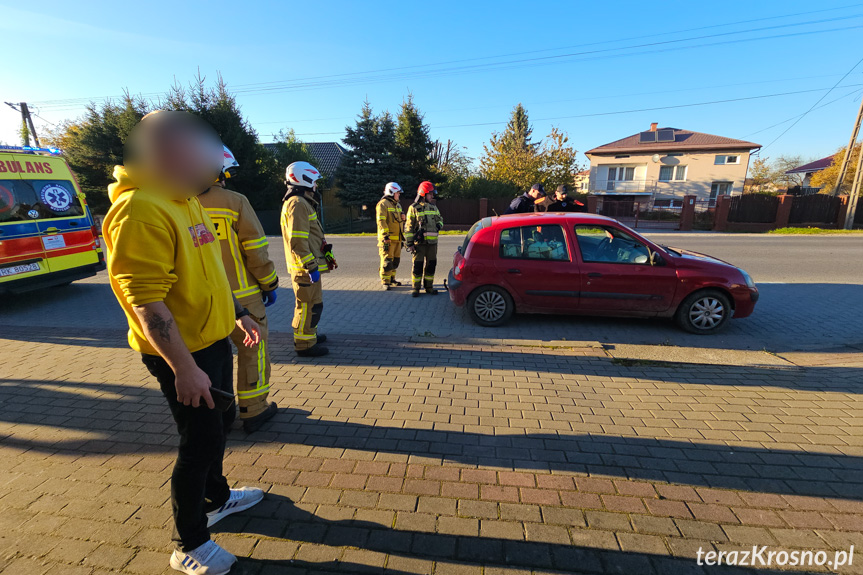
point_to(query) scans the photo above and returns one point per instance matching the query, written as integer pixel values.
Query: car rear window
(23, 200)
(542, 242)
(485, 222)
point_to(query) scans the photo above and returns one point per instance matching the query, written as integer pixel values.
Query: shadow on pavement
(277, 517)
(118, 419)
(789, 317)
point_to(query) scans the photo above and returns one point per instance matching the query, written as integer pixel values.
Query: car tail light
(457, 269)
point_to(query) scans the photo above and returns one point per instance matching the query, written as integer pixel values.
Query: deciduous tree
(826, 178)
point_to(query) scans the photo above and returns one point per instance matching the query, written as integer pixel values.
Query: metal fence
(705, 215)
(753, 209)
(815, 209)
(642, 215)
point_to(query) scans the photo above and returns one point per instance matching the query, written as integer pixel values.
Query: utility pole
(843, 169)
(855, 192)
(26, 121)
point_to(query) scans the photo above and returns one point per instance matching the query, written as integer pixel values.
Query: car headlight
(747, 278)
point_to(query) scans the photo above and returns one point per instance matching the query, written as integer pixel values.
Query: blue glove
(315, 276)
(269, 298)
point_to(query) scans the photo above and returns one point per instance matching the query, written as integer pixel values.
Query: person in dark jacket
(525, 202)
(562, 202)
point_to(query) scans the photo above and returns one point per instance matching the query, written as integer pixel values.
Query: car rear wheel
(490, 306)
(704, 312)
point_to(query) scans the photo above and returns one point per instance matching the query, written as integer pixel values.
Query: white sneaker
(240, 500)
(208, 559)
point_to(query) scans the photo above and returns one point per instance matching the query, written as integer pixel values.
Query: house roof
(683, 140)
(328, 154)
(815, 166)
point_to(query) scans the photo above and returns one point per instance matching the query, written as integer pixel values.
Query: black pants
(197, 483)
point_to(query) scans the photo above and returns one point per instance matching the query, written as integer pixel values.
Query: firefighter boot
(252, 424)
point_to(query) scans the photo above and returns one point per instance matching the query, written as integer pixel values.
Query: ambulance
(47, 234)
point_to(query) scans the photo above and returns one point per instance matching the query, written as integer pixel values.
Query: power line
(848, 73)
(852, 93)
(570, 100)
(662, 34)
(358, 77)
(617, 112)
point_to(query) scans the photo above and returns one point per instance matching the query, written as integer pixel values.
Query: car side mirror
(656, 259)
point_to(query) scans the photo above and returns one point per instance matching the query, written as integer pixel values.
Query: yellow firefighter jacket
(425, 217)
(243, 242)
(303, 236)
(389, 213)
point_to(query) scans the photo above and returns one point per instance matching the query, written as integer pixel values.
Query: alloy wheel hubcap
(490, 306)
(706, 313)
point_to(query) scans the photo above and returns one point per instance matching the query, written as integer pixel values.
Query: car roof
(560, 217)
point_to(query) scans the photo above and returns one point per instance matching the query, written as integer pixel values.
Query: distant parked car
(555, 263)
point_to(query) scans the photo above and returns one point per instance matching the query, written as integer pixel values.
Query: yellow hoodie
(166, 250)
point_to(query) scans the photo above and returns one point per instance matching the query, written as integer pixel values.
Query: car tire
(490, 306)
(704, 312)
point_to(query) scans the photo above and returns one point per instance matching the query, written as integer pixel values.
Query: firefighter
(390, 235)
(253, 279)
(308, 254)
(424, 222)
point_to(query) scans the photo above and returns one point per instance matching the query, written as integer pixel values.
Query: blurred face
(560, 196)
(397, 196)
(535, 194)
(174, 153)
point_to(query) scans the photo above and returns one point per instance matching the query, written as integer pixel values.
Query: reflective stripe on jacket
(303, 236)
(242, 240)
(389, 218)
(426, 217)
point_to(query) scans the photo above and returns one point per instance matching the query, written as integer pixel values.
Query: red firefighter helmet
(426, 188)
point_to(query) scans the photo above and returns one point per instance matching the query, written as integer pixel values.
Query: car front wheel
(704, 312)
(490, 306)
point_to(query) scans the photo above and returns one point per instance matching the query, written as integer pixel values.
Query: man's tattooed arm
(156, 324)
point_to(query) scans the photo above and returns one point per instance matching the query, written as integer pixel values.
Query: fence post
(483, 208)
(687, 214)
(592, 202)
(720, 220)
(783, 211)
(843, 211)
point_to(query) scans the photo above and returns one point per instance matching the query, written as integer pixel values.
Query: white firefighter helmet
(302, 174)
(229, 164)
(392, 189)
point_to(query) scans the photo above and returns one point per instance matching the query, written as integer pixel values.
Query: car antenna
(495, 212)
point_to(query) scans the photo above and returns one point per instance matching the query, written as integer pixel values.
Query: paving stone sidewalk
(401, 457)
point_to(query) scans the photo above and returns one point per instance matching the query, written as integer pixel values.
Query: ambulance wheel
(490, 306)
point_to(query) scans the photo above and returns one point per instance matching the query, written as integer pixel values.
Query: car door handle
(594, 275)
(513, 271)
(51, 230)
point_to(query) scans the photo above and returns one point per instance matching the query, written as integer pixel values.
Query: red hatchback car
(591, 265)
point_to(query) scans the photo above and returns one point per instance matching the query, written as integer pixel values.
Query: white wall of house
(674, 175)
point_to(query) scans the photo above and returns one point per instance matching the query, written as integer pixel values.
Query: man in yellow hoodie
(253, 279)
(166, 272)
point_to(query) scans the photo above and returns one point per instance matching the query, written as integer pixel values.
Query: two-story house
(662, 165)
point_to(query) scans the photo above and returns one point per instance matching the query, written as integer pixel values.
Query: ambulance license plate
(22, 269)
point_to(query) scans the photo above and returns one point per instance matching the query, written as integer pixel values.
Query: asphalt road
(811, 286)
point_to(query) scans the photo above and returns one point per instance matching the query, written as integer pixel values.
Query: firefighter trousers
(307, 312)
(424, 264)
(253, 363)
(390, 259)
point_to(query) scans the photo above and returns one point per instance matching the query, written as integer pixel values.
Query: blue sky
(581, 66)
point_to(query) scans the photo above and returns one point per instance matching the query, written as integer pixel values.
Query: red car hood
(696, 258)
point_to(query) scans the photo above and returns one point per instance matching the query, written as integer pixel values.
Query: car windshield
(23, 200)
(473, 230)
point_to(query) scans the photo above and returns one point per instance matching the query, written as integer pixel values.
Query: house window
(672, 173)
(719, 189)
(620, 174)
(722, 160)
